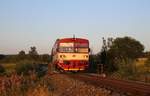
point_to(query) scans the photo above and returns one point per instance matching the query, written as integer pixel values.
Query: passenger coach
(71, 54)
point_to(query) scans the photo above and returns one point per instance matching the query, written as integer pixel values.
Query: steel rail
(123, 86)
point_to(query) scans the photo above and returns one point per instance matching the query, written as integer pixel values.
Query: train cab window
(82, 50)
(66, 49)
(81, 45)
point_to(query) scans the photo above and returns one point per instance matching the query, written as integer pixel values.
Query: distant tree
(22, 55)
(123, 51)
(127, 47)
(33, 54)
(22, 52)
(33, 51)
(108, 66)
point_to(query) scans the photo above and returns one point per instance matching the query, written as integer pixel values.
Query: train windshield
(81, 47)
(81, 50)
(74, 47)
(66, 49)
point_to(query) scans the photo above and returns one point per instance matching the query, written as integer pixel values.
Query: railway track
(121, 86)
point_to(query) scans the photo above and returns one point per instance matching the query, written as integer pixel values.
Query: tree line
(32, 55)
(116, 55)
(119, 55)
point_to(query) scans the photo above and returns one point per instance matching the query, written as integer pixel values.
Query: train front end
(72, 54)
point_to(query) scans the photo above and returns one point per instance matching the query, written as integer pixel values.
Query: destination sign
(66, 45)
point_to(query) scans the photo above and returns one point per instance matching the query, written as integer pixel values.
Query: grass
(9, 67)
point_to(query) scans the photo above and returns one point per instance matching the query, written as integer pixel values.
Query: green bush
(2, 69)
(24, 67)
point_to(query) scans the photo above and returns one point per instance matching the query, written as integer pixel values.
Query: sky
(26, 23)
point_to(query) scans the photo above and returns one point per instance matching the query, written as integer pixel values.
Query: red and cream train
(71, 54)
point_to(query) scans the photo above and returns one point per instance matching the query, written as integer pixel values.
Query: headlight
(86, 56)
(62, 56)
(73, 55)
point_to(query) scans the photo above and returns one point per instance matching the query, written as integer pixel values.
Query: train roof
(81, 40)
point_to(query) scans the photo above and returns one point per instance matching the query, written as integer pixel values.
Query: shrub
(24, 67)
(2, 69)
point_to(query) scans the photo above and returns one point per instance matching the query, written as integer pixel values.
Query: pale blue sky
(26, 23)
